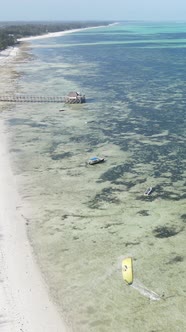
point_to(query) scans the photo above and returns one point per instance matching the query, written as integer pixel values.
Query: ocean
(83, 220)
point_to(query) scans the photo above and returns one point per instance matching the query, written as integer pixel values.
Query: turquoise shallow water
(83, 220)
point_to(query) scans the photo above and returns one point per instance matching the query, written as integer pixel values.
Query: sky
(84, 10)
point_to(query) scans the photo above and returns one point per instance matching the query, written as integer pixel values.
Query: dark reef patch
(110, 225)
(61, 156)
(18, 122)
(90, 140)
(165, 232)
(176, 259)
(15, 150)
(107, 195)
(65, 216)
(128, 244)
(75, 238)
(143, 213)
(183, 217)
(115, 173)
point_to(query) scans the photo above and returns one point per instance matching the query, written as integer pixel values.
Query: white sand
(49, 35)
(8, 54)
(24, 300)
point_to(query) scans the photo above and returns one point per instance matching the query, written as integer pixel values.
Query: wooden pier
(72, 98)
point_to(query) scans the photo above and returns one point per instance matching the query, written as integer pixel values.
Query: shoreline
(61, 33)
(50, 35)
(24, 297)
(8, 54)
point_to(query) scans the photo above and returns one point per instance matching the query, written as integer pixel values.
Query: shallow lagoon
(82, 220)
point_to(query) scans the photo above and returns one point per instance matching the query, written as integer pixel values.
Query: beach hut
(75, 98)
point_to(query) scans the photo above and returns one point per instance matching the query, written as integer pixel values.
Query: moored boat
(95, 160)
(148, 191)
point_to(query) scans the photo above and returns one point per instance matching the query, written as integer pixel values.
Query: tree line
(11, 32)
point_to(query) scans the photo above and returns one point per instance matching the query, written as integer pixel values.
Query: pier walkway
(41, 99)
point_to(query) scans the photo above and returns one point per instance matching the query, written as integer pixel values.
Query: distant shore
(60, 33)
(51, 35)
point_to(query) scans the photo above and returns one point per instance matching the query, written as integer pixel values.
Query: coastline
(24, 298)
(59, 33)
(50, 35)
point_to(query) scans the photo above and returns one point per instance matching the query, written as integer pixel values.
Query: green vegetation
(6, 39)
(11, 31)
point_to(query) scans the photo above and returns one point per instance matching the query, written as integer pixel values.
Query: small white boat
(95, 160)
(148, 191)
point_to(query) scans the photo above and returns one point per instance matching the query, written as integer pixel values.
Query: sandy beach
(25, 304)
(50, 35)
